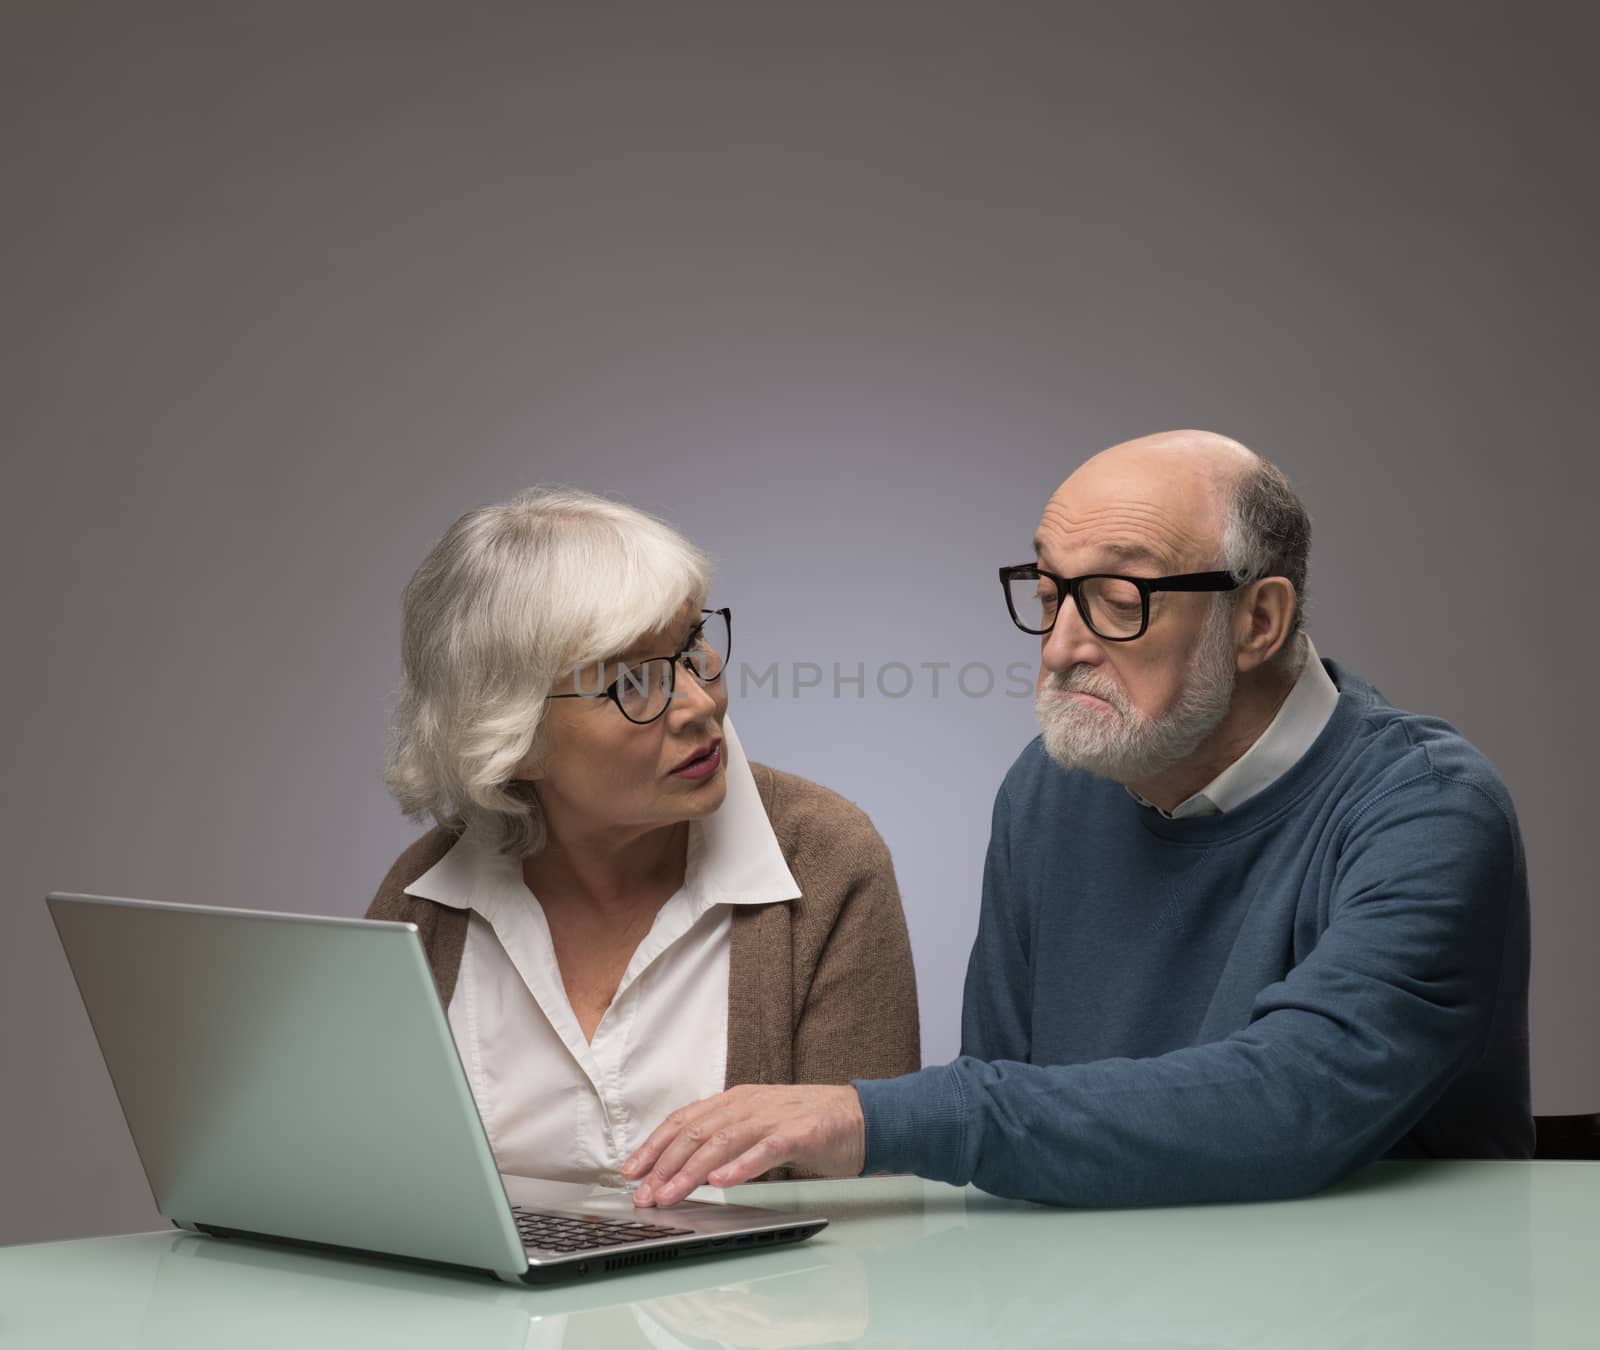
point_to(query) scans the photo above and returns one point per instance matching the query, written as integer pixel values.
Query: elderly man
(1245, 926)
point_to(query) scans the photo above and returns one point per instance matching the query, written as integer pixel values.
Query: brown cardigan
(820, 989)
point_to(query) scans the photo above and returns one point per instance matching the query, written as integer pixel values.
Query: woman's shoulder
(815, 822)
(391, 901)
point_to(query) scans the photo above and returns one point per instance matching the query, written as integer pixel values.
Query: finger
(714, 1128)
(721, 1146)
(641, 1159)
(767, 1152)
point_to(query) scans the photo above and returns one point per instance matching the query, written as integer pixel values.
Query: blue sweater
(1240, 1006)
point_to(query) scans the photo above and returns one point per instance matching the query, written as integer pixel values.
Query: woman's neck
(610, 873)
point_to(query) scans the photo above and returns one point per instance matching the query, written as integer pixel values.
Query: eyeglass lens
(1112, 606)
(645, 689)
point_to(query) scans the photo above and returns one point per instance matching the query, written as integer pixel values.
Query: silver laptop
(293, 1078)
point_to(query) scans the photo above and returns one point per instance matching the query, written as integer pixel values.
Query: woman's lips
(702, 765)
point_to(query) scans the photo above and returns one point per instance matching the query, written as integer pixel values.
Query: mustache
(1082, 680)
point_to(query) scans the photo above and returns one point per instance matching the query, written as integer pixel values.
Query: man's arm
(1338, 1061)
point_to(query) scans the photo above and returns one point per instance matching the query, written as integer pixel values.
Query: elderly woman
(621, 912)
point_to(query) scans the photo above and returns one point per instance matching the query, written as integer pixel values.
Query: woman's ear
(530, 768)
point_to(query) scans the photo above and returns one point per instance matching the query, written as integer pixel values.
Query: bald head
(1163, 498)
(1197, 452)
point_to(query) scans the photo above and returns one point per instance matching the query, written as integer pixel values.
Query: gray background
(843, 290)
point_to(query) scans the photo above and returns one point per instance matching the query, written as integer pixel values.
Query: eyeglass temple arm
(1195, 581)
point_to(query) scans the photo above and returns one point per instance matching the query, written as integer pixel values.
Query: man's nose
(1070, 643)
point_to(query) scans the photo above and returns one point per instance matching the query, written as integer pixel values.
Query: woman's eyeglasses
(643, 690)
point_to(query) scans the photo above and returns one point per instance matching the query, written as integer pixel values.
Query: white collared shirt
(553, 1104)
(1277, 750)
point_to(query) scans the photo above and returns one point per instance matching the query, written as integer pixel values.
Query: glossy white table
(1414, 1255)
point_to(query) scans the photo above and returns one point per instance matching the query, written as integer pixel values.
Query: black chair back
(1566, 1136)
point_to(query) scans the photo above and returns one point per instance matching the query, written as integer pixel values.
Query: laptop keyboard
(583, 1232)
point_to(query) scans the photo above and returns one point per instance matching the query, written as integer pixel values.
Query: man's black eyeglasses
(1115, 608)
(645, 689)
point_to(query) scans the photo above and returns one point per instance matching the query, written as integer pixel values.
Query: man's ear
(1261, 621)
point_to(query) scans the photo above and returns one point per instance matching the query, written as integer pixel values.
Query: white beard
(1121, 743)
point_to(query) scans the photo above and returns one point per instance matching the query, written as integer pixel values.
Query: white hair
(514, 596)
(1266, 532)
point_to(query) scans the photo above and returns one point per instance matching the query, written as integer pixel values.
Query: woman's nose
(692, 699)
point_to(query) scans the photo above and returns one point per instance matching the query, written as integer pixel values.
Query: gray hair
(1267, 533)
(514, 596)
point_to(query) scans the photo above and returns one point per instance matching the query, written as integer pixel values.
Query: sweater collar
(1292, 732)
(734, 856)
(1355, 697)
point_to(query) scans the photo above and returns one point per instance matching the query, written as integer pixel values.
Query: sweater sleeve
(1337, 1061)
(442, 930)
(996, 1008)
(859, 1015)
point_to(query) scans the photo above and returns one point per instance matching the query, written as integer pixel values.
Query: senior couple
(1244, 925)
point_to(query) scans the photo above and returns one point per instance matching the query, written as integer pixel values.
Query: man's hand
(740, 1133)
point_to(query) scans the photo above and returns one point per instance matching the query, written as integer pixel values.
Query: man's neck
(1257, 697)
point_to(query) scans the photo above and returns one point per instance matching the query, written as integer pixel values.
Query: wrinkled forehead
(1128, 520)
